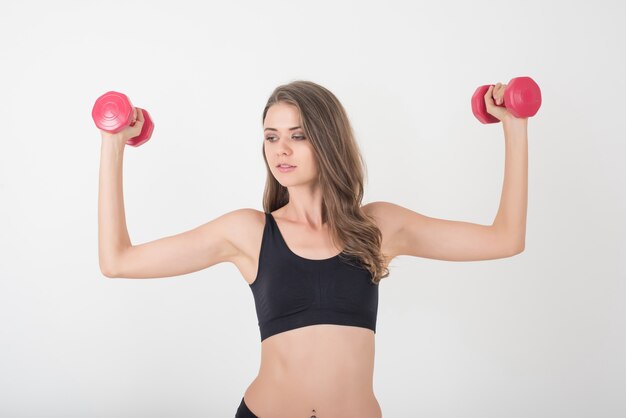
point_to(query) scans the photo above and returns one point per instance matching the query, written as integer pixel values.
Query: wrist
(510, 122)
(113, 142)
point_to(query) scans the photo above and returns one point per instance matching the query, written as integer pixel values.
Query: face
(283, 144)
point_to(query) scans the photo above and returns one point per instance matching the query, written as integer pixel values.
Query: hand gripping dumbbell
(522, 97)
(113, 112)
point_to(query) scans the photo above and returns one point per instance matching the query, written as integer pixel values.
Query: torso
(327, 368)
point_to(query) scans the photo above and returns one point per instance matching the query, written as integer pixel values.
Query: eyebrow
(273, 129)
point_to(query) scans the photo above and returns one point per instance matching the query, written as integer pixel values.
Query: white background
(541, 334)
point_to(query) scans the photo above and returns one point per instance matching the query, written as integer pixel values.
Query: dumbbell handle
(113, 111)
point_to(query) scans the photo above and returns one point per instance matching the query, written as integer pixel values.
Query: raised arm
(410, 233)
(510, 220)
(208, 244)
(113, 236)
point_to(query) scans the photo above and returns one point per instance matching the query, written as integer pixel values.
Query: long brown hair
(341, 173)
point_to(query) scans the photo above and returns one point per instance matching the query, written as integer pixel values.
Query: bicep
(419, 235)
(183, 253)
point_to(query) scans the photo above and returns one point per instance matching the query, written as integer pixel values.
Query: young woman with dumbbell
(314, 256)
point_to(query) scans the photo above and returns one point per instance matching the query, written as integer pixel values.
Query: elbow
(518, 248)
(108, 272)
(110, 265)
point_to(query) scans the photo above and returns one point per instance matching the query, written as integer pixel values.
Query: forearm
(511, 216)
(113, 235)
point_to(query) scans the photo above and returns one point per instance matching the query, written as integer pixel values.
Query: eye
(299, 137)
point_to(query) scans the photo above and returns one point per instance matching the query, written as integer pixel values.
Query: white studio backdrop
(541, 334)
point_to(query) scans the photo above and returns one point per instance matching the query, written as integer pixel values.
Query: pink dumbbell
(522, 97)
(113, 112)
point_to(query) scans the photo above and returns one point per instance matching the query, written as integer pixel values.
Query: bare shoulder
(245, 230)
(384, 215)
(246, 233)
(373, 208)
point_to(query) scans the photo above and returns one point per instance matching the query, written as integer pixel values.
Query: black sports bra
(292, 291)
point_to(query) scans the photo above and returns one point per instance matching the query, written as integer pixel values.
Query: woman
(314, 257)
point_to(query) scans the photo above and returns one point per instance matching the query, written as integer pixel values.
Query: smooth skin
(326, 367)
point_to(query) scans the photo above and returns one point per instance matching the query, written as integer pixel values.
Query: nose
(282, 148)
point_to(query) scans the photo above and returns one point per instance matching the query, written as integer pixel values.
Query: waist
(326, 354)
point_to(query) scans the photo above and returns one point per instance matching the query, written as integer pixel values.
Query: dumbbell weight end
(113, 111)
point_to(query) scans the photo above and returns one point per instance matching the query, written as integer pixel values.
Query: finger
(498, 93)
(138, 118)
(489, 92)
(134, 118)
(503, 89)
(502, 94)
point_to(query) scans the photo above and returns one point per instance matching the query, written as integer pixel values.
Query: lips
(285, 165)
